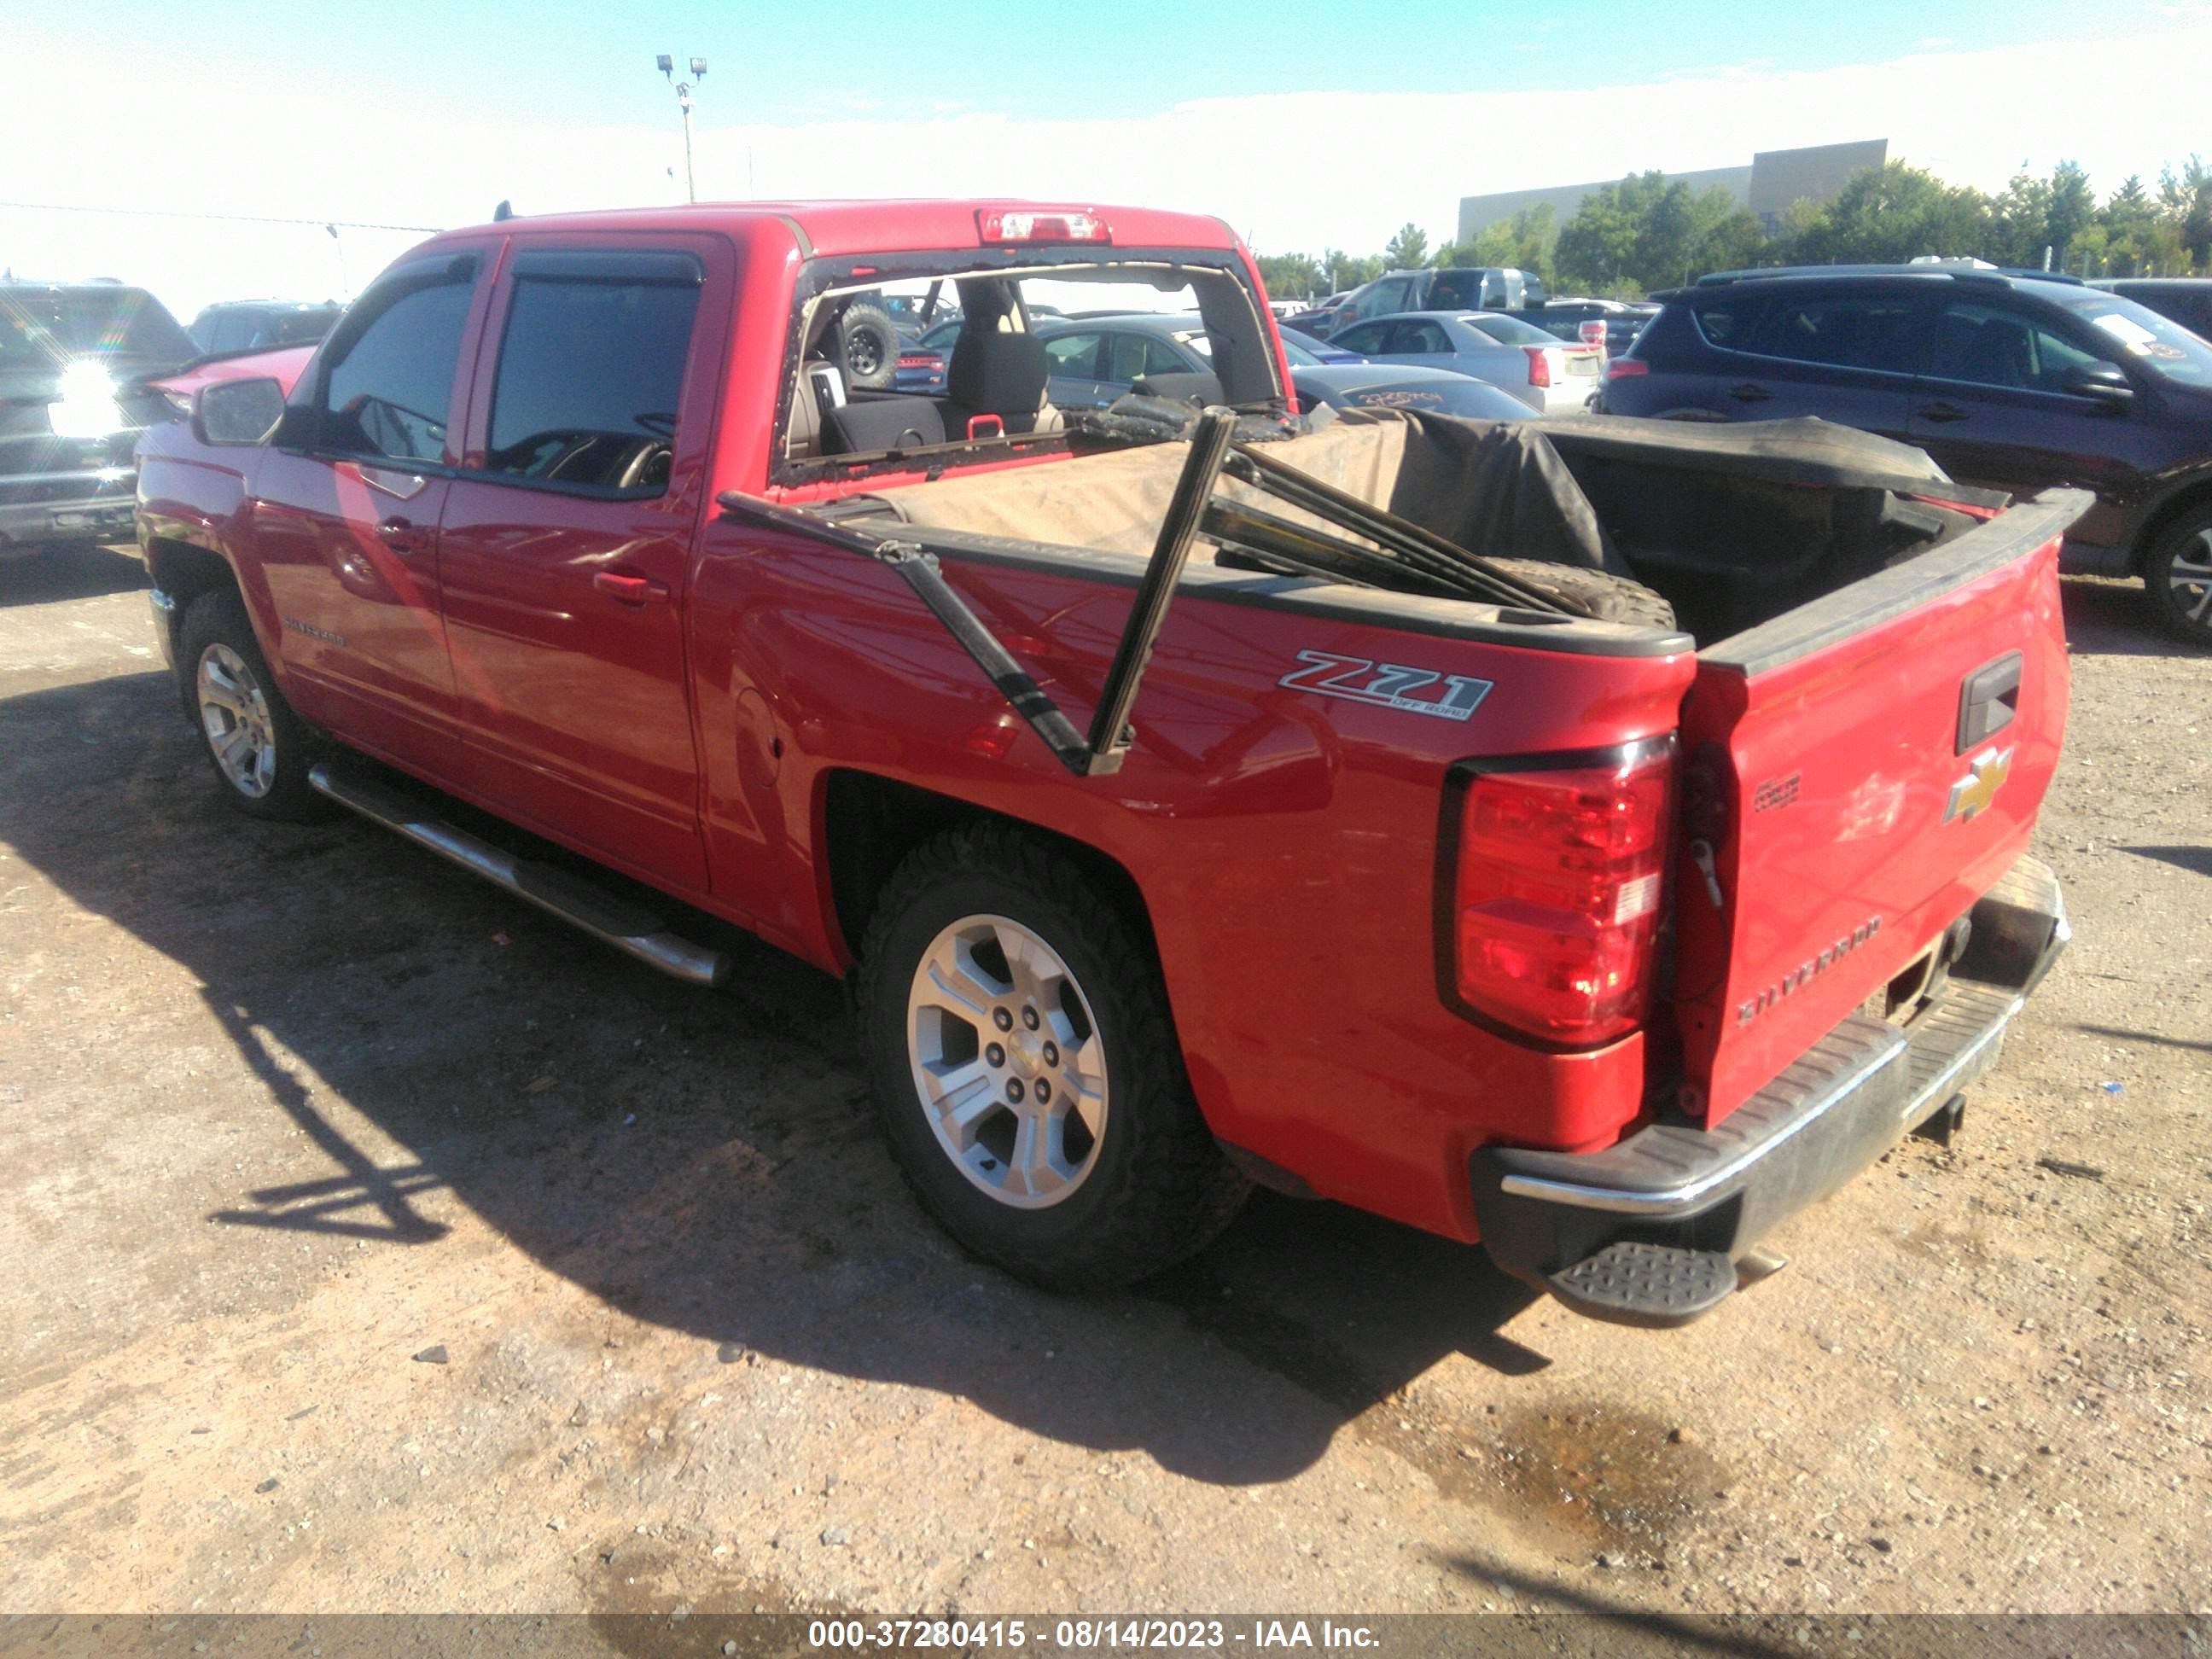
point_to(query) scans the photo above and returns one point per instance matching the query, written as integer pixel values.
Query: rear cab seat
(996, 384)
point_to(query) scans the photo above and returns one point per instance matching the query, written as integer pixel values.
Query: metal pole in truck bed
(1109, 726)
(1102, 752)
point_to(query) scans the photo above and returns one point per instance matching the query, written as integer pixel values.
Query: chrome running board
(633, 931)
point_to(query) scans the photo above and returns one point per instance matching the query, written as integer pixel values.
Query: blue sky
(1306, 126)
(592, 60)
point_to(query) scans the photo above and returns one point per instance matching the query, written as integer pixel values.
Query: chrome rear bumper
(1834, 1111)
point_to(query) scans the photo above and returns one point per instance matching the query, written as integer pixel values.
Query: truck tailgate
(1856, 773)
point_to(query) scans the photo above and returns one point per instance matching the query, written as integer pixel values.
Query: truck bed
(1733, 529)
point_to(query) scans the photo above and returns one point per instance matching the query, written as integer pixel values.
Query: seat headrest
(1004, 373)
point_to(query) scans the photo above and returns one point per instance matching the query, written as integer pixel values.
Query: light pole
(667, 67)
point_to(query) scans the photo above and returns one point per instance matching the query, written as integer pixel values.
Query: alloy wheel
(1008, 1065)
(234, 715)
(2189, 574)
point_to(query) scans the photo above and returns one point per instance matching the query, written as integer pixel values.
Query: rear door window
(390, 391)
(1456, 290)
(1383, 298)
(1366, 338)
(1999, 346)
(1133, 357)
(1877, 331)
(591, 370)
(1729, 321)
(1511, 331)
(1407, 339)
(1074, 357)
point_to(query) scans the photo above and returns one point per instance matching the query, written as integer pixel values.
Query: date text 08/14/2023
(1201, 1635)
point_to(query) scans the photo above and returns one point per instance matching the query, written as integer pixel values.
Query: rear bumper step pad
(1675, 1192)
(628, 928)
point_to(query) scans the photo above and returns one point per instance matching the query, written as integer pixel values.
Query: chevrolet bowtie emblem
(1986, 775)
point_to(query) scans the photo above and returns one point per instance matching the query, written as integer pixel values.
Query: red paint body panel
(1866, 729)
(284, 366)
(572, 691)
(1285, 845)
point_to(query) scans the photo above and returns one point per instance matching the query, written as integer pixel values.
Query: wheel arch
(2191, 497)
(185, 571)
(870, 823)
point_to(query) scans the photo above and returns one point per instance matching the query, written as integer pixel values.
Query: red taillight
(995, 225)
(919, 360)
(1539, 365)
(1592, 332)
(1627, 368)
(1558, 895)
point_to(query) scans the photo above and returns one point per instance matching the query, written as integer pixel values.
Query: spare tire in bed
(1593, 593)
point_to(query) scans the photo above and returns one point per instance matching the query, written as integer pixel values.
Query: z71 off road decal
(1387, 685)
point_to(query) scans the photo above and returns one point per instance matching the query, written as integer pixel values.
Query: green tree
(1721, 234)
(1649, 231)
(1886, 213)
(1290, 275)
(1341, 271)
(2073, 209)
(1596, 248)
(2185, 199)
(1408, 250)
(1695, 233)
(2138, 240)
(2019, 223)
(1522, 242)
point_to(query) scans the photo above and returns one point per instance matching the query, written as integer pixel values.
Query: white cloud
(1300, 170)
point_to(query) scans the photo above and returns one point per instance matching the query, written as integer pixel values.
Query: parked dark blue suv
(2011, 380)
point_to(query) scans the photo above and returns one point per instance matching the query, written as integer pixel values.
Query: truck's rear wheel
(1027, 1071)
(258, 746)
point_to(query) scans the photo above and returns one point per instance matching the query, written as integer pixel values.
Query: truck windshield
(2139, 334)
(50, 326)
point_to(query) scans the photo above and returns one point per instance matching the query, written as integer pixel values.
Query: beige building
(1775, 179)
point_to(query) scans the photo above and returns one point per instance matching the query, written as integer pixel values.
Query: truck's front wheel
(1027, 1069)
(258, 746)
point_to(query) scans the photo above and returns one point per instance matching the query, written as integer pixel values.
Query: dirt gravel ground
(369, 1242)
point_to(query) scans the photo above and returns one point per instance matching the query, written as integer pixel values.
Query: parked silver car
(1549, 375)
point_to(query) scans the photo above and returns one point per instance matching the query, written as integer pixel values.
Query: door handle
(628, 588)
(1940, 414)
(1749, 393)
(402, 536)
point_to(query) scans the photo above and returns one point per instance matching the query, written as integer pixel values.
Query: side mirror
(2105, 383)
(237, 411)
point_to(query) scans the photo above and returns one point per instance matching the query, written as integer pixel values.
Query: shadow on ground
(69, 571)
(2197, 860)
(707, 1164)
(2114, 619)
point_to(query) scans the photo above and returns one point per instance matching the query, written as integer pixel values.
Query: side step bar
(629, 929)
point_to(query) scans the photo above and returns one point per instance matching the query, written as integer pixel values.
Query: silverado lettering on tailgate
(1752, 1007)
(1358, 679)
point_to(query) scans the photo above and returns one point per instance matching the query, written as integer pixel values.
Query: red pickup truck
(1597, 838)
